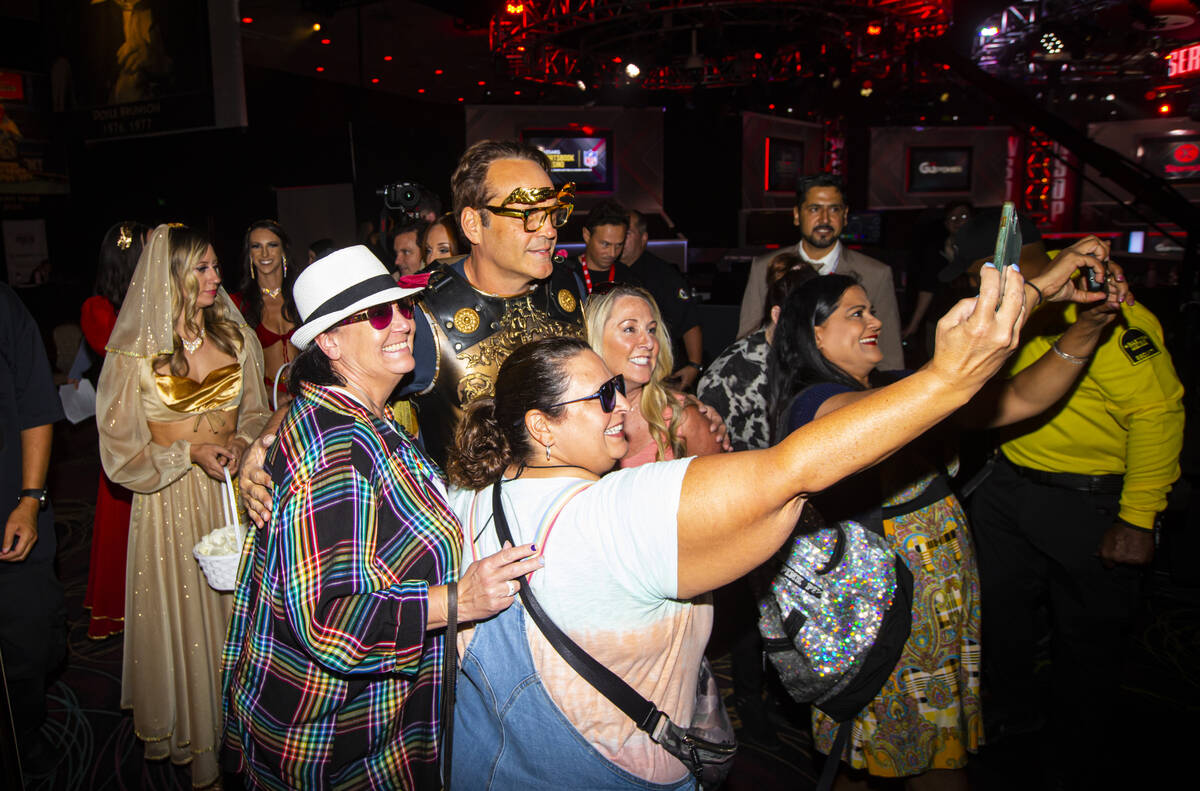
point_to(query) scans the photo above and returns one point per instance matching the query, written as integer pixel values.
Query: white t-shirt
(609, 582)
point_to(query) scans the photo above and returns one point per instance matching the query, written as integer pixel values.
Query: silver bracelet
(1071, 358)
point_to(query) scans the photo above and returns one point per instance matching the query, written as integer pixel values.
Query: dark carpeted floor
(1159, 700)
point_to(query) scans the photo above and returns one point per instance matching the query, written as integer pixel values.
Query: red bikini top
(267, 338)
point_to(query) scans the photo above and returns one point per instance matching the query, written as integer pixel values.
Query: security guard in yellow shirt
(1066, 518)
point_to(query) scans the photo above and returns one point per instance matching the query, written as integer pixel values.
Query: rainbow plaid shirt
(329, 677)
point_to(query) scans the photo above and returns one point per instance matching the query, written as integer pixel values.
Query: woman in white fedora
(334, 662)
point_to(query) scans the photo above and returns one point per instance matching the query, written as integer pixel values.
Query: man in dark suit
(820, 213)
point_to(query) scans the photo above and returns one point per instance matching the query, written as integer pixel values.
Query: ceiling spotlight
(874, 29)
(1110, 98)
(1051, 43)
(1072, 97)
(989, 31)
(316, 27)
(632, 70)
(247, 20)
(1164, 109)
(581, 85)
(945, 97)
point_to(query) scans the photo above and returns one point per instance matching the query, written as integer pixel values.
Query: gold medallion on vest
(474, 369)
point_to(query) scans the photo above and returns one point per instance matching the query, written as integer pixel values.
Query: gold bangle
(1071, 358)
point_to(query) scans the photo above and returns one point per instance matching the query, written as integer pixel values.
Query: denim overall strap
(509, 734)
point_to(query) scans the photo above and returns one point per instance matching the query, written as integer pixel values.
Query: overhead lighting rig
(686, 44)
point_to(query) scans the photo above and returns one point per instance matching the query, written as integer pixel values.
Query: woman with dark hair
(180, 398)
(927, 717)
(333, 666)
(265, 298)
(625, 554)
(441, 239)
(105, 596)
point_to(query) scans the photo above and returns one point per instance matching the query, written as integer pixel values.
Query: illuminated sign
(1185, 60)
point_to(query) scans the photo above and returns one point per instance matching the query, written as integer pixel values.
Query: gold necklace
(191, 346)
(271, 292)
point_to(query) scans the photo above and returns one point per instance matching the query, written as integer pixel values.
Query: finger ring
(512, 591)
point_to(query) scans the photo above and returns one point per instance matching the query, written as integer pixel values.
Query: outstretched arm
(736, 509)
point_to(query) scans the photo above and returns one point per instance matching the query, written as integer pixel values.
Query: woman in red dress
(265, 299)
(105, 595)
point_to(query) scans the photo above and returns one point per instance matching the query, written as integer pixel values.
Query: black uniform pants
(1037, 547)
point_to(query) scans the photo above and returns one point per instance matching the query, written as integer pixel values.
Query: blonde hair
(186, 248)
(656, 395)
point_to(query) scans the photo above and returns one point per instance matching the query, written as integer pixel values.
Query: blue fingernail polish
(1016, 268)
(989, 263)
(533, 547)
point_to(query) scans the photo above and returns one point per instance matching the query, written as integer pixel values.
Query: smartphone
(1008, 246)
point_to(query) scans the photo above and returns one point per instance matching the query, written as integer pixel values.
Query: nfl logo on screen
(591, 158)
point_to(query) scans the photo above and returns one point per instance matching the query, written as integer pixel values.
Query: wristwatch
(36, 494)
(693, 364)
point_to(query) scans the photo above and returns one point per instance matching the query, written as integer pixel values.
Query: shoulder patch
(1138, 346)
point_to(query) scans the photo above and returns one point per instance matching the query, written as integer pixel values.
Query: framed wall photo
(939, 169)
(783, 162)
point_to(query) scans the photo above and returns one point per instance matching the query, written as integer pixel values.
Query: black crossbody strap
(643, 712)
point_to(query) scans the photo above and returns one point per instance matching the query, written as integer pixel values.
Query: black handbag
(709, 761)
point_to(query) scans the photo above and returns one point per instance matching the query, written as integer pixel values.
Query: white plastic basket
(221, 569)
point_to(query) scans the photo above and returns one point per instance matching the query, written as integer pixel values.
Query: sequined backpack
(836, 614)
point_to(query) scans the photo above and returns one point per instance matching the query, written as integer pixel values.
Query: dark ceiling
(814, 57)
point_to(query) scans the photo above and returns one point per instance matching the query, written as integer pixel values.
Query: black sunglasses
(380, 316)
(607, 395)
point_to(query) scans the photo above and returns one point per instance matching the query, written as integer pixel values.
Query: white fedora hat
(340, 285)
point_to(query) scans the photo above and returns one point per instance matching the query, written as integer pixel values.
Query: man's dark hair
(321, 248)
(607, 212)
(468, 183)
(819, 180)
(430, 201)
(637, 221)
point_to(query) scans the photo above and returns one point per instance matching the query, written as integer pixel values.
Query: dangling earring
(285, 266)
(547, 453)
(253, 272)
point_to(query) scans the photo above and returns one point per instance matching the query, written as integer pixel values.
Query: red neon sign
(1185, 60)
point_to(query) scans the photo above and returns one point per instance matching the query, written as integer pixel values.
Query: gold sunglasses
(533, 219)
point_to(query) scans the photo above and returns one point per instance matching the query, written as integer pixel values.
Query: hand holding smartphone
(1008, 246)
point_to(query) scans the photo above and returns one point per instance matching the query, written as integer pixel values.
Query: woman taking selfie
(627, 552)
(927, 717)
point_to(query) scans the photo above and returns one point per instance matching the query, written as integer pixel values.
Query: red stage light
(247, 20)
(1150, 95)
(374, 79)
(617, 60)
(420, 90)
(482, 83)
(320, 68)
(770, 107)
(387, 57)
(520, 49)
(874, 29)
(516, 93)
(326, 41)
(437, 71)
(460, 98)
(758, 56)
(1164, 109)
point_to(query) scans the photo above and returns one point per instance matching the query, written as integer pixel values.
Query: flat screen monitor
(1175, 158)
(939, 169)
(783, 163)
(583, 156)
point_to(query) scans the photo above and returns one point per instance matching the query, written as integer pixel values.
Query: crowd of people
(384, 417)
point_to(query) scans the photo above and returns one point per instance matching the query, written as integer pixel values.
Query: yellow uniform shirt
(1124, 417)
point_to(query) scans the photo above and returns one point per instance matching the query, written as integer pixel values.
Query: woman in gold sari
(180, 396)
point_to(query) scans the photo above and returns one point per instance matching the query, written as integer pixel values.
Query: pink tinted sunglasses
(380, 316)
